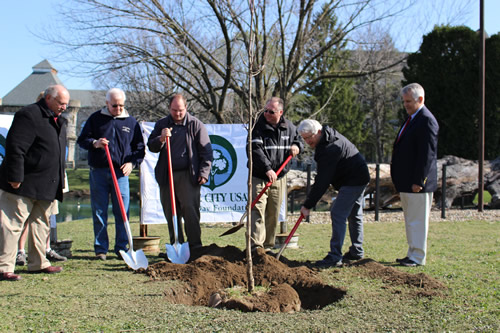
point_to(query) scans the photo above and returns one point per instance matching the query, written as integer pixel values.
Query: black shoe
(54, 256)
(271, 253)
(348, 256)
(328, 261)
(399, 260)
(21, 258)
(408, 263)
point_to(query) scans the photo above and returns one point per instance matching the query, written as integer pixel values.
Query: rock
(461, 181)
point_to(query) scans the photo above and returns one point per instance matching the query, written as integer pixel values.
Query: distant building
(81, 105)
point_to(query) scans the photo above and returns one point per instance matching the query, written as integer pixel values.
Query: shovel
(176, 253)
(134, 260)
(242, 220)
(290, 236)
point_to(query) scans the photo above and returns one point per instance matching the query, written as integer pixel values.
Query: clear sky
(20, 50)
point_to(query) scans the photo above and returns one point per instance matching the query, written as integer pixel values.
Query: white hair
(415, 89)
(309, 126)
(114, 92)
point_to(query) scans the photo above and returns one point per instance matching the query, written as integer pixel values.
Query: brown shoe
(9, 277)
(49, 270)
(101, 256)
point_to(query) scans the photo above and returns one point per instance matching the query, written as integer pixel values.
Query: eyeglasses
(270, 111)
(308, 138)
(118, 105)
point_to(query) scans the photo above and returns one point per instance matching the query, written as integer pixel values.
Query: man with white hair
(31, 178)
(112, 126)
(340, 164)
(414, 171)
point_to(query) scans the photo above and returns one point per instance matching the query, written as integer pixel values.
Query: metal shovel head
(178, 253)
(237, 227)
(135, 259)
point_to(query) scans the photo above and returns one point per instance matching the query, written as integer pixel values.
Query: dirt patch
(290, 286)
(423, 284)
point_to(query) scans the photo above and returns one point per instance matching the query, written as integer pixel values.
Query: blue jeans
(101, 186)
(347, 206)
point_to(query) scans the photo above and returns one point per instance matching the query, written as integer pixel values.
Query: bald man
(31, 178)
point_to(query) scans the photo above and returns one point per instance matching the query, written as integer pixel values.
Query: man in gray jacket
(191, 155)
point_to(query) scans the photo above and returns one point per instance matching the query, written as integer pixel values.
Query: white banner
(5, 122)
(224, 196)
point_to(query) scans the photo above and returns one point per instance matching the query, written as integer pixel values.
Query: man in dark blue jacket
(31, 178)
(414, 171)
(274, 138)
(112, 126)
(339, 163)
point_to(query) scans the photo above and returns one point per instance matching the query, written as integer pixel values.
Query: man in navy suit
(414, 171)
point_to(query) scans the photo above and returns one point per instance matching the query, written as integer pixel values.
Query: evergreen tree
(447, 66)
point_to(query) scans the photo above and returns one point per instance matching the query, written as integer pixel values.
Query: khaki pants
(15, 211)
(265, 214)
(416, 210)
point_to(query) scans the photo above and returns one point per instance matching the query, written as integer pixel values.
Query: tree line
(309, 53)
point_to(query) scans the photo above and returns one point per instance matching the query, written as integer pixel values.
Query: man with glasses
(31, 178)
(340, 164)
(112, 126)
(274, 138)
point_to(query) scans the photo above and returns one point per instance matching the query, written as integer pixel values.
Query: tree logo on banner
(224, 163)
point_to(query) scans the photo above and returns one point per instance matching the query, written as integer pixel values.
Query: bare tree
(199, 46)
(378, 91)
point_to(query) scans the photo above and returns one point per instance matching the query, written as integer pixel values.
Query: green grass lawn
(78, 180)
(91, 295)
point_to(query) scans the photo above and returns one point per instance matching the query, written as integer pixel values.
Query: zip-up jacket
(339, 163)
(271, 146)
(125, 139)
(198, 143)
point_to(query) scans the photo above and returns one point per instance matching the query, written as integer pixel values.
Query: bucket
(150, 244)
(281, 238)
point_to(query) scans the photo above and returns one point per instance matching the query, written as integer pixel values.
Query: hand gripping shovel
(176, 253)
(290, 236)
(242, 220)
(134, 260)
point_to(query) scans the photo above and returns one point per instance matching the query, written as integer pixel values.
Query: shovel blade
(135, 260)
(178, 253)
(232, 230)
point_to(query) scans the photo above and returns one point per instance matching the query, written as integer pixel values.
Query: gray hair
(415, 89)
(309, 126)
(278, 100)
(113, 92)
(52, 91)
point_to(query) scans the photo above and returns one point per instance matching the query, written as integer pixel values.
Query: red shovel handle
(115, 183)
(269, 183)
(290, 235)
(171, 178)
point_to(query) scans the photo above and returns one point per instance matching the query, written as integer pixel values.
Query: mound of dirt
(424, 285)
(212, 270)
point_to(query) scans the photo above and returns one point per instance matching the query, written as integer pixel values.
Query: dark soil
(290, 286)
